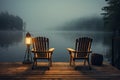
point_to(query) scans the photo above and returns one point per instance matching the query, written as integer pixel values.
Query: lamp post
(28, 56)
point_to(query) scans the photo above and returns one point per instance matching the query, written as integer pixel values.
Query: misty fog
(49, 14)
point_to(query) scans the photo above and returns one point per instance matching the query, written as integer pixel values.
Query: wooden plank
(59, 70)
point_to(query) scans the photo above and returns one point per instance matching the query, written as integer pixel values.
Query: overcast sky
(45, 14)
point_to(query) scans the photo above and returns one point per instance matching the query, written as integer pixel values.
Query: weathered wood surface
(58, 71)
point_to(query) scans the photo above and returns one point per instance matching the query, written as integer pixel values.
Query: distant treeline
(10, 22)
(90, 23)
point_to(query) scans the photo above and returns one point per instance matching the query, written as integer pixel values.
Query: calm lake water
(12, 47)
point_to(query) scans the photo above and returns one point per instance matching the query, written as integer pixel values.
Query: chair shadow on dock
(42, 68)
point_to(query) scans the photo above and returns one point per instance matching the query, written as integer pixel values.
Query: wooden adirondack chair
(41, 50)
(81, 51)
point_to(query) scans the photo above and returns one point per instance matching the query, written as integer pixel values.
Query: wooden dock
(58, 71)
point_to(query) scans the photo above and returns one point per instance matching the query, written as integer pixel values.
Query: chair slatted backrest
(41, 45)
(83, 44)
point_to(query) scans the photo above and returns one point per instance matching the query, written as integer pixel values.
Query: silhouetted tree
(112, 23)
(10, 22)
(112, 15)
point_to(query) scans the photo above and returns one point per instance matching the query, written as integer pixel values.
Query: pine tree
(112, 15)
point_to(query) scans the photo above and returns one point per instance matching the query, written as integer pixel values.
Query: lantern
(28, 56)
(28, 39)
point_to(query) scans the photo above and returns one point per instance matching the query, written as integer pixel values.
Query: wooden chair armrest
(51, 49)
(70, 50)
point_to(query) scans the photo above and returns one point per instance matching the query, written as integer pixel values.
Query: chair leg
(89, 64)
(84, 62)
(50, 62)
(71, 61)
(34, 64)
(74, 62)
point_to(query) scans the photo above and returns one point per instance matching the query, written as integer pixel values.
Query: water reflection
(9, 38)
(11, 46)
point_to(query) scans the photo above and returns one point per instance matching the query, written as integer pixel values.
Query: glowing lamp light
(28, 39)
